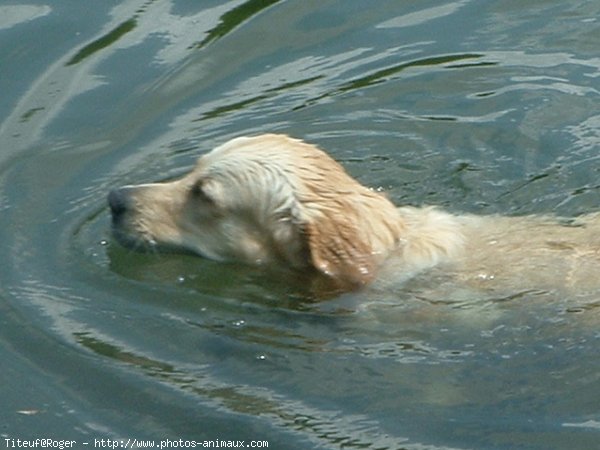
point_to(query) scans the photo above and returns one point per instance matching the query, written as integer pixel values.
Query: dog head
(265, 199)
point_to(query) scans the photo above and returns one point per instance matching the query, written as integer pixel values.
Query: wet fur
(271, 199)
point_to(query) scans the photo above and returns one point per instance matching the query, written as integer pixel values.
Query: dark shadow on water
(234, 18)
(269, 286)
(383, 75)
(108, 39)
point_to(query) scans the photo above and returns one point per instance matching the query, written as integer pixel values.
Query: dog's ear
(338, 251)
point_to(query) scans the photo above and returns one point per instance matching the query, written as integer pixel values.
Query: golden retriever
(272, 199)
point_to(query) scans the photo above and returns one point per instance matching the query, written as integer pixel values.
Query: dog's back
(531, 252)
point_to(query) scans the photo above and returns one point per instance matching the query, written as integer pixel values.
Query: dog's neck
(428, 237)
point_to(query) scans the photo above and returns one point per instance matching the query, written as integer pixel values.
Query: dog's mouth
(133, 241)
(119, 203)
(142, 242)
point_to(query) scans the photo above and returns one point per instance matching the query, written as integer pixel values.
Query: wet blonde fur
(271, 199)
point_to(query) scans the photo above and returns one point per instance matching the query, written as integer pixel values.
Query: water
(484, 107)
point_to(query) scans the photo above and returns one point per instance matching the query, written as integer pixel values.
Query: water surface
(482, 107)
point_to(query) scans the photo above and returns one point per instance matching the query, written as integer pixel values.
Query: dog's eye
(198, 192)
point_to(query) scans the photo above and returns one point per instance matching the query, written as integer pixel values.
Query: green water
(483, 107)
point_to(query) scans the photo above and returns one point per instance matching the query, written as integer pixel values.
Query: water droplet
(485, 276)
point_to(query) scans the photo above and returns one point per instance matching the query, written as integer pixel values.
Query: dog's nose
(118, 200)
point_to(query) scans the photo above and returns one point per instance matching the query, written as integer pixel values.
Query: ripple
(16, 14)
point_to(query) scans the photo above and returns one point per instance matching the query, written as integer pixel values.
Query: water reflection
(234, 17)
(321, 427)
(11, 15)
(462, 104)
